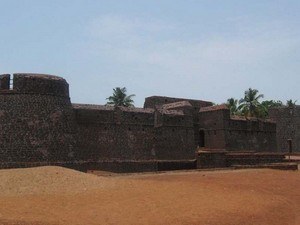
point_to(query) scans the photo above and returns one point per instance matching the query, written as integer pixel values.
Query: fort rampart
(236, 133)
(288, 127)
(39, 125)
(36, 119)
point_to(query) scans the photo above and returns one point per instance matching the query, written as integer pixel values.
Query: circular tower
(36, 120)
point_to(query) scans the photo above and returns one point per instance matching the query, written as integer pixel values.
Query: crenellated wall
(4, 82)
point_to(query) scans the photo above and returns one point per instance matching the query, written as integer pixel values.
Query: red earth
(54, 195)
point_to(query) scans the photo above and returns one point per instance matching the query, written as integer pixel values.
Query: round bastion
(36, 119)
(40, 84)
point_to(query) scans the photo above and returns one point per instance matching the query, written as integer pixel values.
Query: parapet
(4, 82)
(213, 115)
(158, 101)
(284, 111)
(100, 114)
(30, 83)
(177, 105)
(214, 108)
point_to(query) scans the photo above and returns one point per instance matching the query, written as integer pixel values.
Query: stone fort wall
(39, 125)
(288, 127)
(36, 119)
(108, 133)
(234, 133)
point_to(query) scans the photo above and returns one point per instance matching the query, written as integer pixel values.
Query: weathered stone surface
(4, 82)
(236, 133)
(288, 127)
(40, 126)
(40, 84)
(36, 126)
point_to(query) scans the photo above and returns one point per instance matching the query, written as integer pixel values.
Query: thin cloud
(154, 47)
(139, 41)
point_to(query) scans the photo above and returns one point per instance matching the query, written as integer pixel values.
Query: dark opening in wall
(201, 142)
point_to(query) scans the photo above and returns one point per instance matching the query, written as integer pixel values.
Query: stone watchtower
(36, 120)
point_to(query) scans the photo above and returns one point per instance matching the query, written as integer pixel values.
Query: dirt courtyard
(54, 195)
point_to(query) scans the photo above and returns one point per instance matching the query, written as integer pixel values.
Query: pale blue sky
(204, 49)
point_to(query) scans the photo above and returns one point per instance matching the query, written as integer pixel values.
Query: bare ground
(54, 195)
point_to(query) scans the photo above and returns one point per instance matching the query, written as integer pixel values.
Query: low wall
(112, 166)
(215, 159)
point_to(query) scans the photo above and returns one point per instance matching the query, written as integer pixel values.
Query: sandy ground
(53, 195)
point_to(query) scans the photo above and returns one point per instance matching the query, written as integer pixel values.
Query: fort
(40, 126)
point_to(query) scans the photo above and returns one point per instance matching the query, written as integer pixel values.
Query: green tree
(263, 109)
(250, 105)
(120, 98)
(232, 104)
(291, 103)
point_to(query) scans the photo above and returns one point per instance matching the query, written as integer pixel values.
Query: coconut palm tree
(120, 98)
(232, 104)
(263, 109)
(290, 103)
(250, 104)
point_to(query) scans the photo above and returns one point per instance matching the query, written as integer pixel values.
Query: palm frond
(120, 98)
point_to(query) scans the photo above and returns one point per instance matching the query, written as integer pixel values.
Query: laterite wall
(108, 133)
(36, 119)
(288, 127)
(174, 136)
(236, 133)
